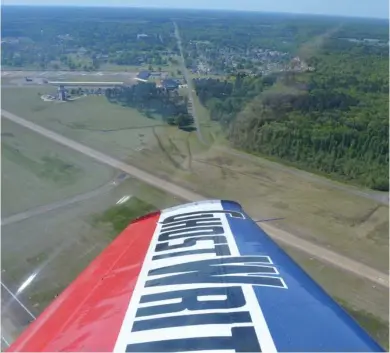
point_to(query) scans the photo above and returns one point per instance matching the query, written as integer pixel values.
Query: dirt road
(182, 193)
(191, 106)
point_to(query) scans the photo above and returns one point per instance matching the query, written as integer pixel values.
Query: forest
(84, 38)
(154, 102)
(333, 120)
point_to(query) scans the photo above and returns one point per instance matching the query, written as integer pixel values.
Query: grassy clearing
(108, 127)
(348, 224)
(210, 130)
(119, 216)
(37, 171)
(52, 168)
(379, 329)
(114, 67)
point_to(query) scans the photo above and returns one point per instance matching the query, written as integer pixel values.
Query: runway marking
(16, 298)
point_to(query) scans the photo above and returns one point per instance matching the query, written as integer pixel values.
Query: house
(143, 76)
(170, 84)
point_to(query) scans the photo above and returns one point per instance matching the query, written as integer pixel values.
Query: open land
(93, 120)
(173, 154)
(344, 222)
(361, 300)
(37, 172)
(56, 211)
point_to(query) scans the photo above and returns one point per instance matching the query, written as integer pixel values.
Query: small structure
(61, 93)
(143, 76)
(170, 84)
(156, 74)
(142, 35)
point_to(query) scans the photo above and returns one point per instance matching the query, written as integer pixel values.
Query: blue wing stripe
(301, 316)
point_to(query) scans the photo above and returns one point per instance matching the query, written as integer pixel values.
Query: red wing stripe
(88, 315)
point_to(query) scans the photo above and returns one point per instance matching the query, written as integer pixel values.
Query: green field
(92, 120)
(344, 222)
(378, 328)
(37, 171)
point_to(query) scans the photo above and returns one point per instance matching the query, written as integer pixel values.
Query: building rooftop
(143, 75)
(170, 83)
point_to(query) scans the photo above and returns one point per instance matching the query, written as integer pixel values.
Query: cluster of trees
(333, 120)
(118, 36)
(153, 101)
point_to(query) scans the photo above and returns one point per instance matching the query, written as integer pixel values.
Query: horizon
(94, 6)
(347, 8)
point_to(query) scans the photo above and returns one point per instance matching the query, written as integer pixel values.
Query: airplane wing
(197, 277)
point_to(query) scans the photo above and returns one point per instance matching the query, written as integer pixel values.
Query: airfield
(57, 201)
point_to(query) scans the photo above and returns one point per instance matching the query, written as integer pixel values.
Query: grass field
(37, 171)
(348, 224)
(117, 130)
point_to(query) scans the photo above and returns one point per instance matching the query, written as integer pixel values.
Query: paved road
(18, 85)
(53, 206)
(182, 193)
(191, 108)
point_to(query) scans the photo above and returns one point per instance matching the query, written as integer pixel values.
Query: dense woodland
(333, 120)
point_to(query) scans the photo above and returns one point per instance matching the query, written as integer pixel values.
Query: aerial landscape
(109, 114)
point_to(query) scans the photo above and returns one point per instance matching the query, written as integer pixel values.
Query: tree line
(333, 120)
